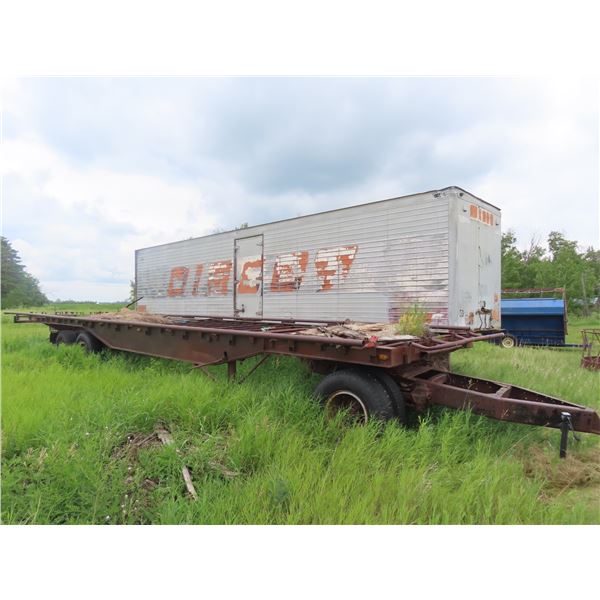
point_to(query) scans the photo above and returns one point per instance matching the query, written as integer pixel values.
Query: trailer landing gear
(565, 426)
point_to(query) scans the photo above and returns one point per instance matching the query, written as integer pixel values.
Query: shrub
(413, 322)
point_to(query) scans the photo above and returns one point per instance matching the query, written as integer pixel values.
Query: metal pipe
(447, 345)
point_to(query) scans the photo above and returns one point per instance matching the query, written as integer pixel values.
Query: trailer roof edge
(322, 212)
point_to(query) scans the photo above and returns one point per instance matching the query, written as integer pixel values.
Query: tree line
(18, 287)
(560, 265)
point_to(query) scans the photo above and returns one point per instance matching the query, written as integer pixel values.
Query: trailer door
(248, 287)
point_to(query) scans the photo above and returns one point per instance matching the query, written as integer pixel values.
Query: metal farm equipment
(370, 378)
(591, 349)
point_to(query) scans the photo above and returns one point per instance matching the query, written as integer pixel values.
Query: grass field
(78, 445)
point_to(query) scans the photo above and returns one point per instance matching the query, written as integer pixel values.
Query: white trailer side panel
(368, 262)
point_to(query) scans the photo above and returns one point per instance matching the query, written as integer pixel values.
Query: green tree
(512, 261)
(562, 265)
(18, 287)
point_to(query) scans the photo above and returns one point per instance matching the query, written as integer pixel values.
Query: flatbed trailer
(371, 378)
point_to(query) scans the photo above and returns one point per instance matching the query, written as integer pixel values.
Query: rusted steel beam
(444, 346)
(231, 369)
(99, 323)
(496, 400)
(254, 368)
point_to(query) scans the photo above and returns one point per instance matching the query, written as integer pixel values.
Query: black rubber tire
(88, 342)
(358, 388)
(394, 392)
(65, 337)
(508, 341)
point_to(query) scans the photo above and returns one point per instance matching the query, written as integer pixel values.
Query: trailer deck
(400, 373)
(207, 340)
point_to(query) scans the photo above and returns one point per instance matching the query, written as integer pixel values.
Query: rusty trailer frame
(413, 365)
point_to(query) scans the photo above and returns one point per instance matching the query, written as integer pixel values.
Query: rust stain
(177, 281)
(219, 273)
(334, 262)
(197, 276)
(496, 309)
(249, 282)
(288, 271)
(439, 317)
(141, 308)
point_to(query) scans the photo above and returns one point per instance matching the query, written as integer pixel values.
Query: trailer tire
(508, 341)
(88, 342)
(65, 337)
(394, 392)
(358, 391)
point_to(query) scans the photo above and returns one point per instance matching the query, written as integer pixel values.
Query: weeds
(413, 322)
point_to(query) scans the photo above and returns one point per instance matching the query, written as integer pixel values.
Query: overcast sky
(94, 168)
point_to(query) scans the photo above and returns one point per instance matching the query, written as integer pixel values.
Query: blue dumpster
(534, 321)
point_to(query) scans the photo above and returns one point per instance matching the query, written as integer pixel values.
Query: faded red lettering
(177, 281)
(332, 263)
(197, 276)
(288, 271)
(218, 277)
(249, 282)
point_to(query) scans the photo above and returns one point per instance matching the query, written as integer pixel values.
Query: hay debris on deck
(384, 332)
(125, 314)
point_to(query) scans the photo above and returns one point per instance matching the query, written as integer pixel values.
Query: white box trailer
(439, 250)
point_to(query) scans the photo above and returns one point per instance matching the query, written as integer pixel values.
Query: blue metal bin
(535, 321)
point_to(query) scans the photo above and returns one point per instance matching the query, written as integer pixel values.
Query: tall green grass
(262, 452)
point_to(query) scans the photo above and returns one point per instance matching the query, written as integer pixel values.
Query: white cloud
(94, 169)
(83, 224)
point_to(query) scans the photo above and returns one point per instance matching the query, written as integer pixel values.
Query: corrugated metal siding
(397, 254)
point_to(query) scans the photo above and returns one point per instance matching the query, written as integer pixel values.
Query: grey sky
(94, 168)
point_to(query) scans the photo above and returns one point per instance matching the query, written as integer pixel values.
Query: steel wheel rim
(508, 342)
(347, 400)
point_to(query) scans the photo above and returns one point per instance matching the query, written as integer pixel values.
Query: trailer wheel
(360, 393)
(508, 341)
(394, 392)
(65, 337)
(88, 342)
